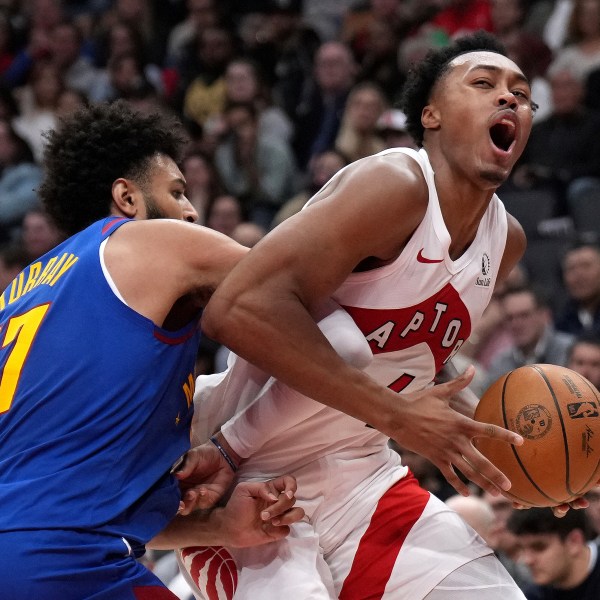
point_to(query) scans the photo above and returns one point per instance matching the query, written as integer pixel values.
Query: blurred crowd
(276, 96)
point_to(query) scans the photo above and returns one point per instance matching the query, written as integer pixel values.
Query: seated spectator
(201, 14)
(123, 40)
(358, 135)
(202, 181)
(562, 155)
(38, 101)
(13, 259)
(321, 169)
(581, 276)
(476, 513)
(224, 213)
(461, 17)
(504, 542)
(593, 510)
(582, 50)
(584, 358)
(318, 113)
(39, 234)
(392, 130)
(528, 318)
(244, 82)
(248, 234)
(202, 73)
(562, 560)
(257, 169)
(19, 179)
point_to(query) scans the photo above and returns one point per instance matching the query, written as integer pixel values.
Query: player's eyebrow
(496, 69)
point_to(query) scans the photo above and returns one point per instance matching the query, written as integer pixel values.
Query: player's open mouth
(503, 134)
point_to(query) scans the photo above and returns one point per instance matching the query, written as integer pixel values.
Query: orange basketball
(557, 412)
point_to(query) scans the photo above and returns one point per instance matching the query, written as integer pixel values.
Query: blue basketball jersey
(95, 400)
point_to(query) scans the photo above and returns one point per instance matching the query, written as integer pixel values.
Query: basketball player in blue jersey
(98, 340)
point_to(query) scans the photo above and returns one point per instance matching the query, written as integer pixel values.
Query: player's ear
(124, 197)
(430, 117)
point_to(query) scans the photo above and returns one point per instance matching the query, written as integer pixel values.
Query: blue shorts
(73, 565)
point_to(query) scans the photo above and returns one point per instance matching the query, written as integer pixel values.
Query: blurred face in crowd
(364, 107)
(324, 167)
(225, 215)
(567, 92)
(334, 67)
(525, 320)
(547, 557)
(506, 14)
(585, 360)
(581, 274)
(593, 510)
(241, 82)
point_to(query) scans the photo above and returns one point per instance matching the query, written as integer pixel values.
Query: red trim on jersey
(173, 341)
(153, 592)
(396, 513)
(112, 221)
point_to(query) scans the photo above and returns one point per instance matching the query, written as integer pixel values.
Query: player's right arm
(264, 311)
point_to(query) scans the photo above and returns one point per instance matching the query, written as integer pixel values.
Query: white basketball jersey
(415, 313)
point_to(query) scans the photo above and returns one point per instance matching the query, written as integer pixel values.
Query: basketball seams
(516, 454)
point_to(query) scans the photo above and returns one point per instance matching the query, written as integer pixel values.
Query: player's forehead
(485, 60)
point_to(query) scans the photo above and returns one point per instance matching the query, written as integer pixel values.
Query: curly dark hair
(92, 148)
(423, 76)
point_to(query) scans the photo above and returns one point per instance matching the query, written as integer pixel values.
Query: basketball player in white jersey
(410, 244)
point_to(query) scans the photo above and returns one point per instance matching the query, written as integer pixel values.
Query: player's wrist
(229, 454)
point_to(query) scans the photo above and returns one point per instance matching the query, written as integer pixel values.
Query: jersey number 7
(20, 332)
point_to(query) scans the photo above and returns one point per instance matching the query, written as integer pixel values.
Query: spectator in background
(8, 43)
(505, 542)
(563, 152)
(358, 135)
(224, 213)
(584, 358)
(19, 180)
(38, 101)
(258, 169)
(582, 51)
(202, 182)
(460, 17)
(392, 129)
(202, 73)
(317, 115)
(581, 276)
(476, 513)
(69, 101)
(41, 17)
(13, 259)
(201, 14)
(321, 169)
(124, 40)
(593, 510)
(244, 82)
(39, 234)
(528, 319)
(284, 45)
(563, 561)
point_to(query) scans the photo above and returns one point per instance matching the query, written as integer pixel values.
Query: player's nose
(189, 212)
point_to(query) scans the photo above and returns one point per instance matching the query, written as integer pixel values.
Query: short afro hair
(423, 76)
(92, 148)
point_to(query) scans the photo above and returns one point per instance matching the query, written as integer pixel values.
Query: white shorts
(370, 532)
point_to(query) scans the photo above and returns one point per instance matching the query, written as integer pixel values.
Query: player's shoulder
(396, 169)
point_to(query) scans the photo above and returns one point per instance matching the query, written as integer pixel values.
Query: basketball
(557, 412)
